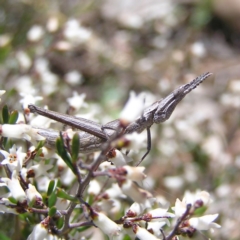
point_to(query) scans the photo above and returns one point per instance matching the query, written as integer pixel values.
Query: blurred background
(107, 48)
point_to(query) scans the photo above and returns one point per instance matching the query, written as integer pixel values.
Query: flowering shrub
(69, 195)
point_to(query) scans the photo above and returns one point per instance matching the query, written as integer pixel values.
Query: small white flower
(138, 195)
(135, 209)
(74, 78)
(143, 234)
(14, 187)
(23, 60)
(52, 24)
(133, 108)
(115, 192)
(108, 226)
(76, 33)
(1, 93)
(33, 196)
(204, 222)
(94, 187)
(24, 84)
(14, 159)
(120, 159)
(35, 33)
(179, 208)
(22, 131)
(29, 98)
(40, 232)
(4, 202)
(161, 214)
(135, 173)
(198, 49)
(40, 169)
(5, 39)
(155, 227)
(77, 101)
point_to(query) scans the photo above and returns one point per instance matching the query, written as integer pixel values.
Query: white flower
(23, 60)
(29, 98)
(108, 226)
(14, 159)
(40, 169)
(161, 214)
(24, 84)
(52, 24)
(4, 202)
(204, 222)
(74, 78)
(143, 234)
(94, 187)
(35, 33)
(135, 193)
(22, 131)
(1, 93)
(40, 232)
(179, 208)
(77, 101)
(14, 187)
(155, 227)
(135, 209)
(76, 33)
(135, 173)
(33, 196)
(198, 199)
(133, 108)
(114, 192)
(5, 40)
(120, 159)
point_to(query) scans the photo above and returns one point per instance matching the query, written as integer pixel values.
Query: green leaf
(13, 117)
(62, 194)
(62, 152)
(4, 237)
(75, 147)
(60, 222)
(51, 187)
(12, 200)
(52, 200)
(52, 211)
(40, 145)
(5, 114)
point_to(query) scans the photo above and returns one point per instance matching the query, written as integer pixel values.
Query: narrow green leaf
(75, 147)
(62, 152)
(51, 187)
(52, 200)
(40, 145)
(62, 194)
(5, 114)
(52, 211)
(13, 117)
(12, 200)
(60, 222)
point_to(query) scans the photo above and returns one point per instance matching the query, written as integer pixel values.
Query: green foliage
(202, 14)
(75, 147)
(52, 211)
(62, 194)
(62, 152)
(4, 237)
(51, 187)
(52, 200)
(5, 114)
(13, 117)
